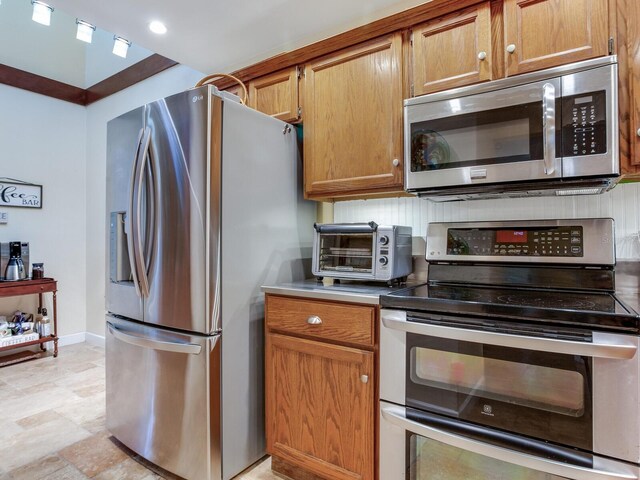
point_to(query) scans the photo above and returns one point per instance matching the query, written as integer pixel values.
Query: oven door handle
(616, 470)
(397, 320)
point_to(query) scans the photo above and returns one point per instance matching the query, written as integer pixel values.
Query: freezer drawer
(163, 396)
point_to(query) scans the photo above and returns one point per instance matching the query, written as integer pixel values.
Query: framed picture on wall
(16, 193)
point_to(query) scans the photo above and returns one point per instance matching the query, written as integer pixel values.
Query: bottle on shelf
(45, 328)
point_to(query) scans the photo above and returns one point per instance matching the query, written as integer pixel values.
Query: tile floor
(52, 423)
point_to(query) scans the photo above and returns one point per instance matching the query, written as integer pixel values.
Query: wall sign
(16, 193)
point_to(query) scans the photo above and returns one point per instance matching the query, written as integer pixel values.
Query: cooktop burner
(542, 302)
(598, 310)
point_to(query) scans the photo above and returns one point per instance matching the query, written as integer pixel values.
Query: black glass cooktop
(596, 310)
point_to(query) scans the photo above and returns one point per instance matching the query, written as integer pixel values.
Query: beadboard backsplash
(622, 204)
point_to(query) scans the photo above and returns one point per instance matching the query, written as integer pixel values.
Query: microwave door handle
(549, 127)
(397, 416)
(397, 320)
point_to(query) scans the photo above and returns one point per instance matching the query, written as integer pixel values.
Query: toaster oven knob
(383, 260)
(384, 240)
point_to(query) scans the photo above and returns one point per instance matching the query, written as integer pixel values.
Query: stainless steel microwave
(552, 132)
(362, 251)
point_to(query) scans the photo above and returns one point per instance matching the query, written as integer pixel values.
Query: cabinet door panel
(353, 120)
(276, 94)
(633, 16)
(319, 412)
(547, 33)
(452, 51)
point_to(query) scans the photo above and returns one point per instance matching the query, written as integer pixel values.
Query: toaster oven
(362, 251)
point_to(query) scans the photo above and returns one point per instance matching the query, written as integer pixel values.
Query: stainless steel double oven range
(516, 361)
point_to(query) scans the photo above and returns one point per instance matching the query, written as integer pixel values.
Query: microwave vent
(579, 191)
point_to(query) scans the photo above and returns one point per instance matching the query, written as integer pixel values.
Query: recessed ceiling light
(157, 27)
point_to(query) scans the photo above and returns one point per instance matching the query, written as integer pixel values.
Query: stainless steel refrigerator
(204, 205)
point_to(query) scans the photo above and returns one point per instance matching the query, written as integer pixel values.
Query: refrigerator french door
(202, 192)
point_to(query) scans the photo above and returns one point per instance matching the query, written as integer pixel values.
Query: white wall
(171, 81)
(622, 204)
(44, 141)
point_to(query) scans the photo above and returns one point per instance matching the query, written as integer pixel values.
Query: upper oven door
(539, 394)
(498, 136)
(554, 387)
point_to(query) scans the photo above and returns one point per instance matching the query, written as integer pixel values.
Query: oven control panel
(559, 241)
(584, 124)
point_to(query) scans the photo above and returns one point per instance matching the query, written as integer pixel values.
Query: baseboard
(71, 339)
(93, 339)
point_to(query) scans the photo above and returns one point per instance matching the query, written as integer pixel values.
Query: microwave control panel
(563, 241)
(584, 124)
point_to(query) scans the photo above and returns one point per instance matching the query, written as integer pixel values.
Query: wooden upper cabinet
(633, 18)
(452, 51)
(353, 120)
(276, 94)
(237, 90)
(320, 407)
(546, 33)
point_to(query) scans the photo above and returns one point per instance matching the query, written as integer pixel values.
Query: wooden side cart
(31, 287)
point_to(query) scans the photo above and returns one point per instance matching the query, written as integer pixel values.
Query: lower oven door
(420, 446)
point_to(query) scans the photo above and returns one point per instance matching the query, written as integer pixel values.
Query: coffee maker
(14, 261)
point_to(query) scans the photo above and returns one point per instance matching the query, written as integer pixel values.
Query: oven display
(564, 241)
(511, 236)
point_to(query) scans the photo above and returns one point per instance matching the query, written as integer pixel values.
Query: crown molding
(142, 70)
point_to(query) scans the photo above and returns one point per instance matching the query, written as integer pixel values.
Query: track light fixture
(41, 12)
(85, 31)
(120, 46)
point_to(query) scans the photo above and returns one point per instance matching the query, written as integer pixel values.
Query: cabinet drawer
(324, 320)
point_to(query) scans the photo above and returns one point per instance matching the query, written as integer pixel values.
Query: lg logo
(196, 98)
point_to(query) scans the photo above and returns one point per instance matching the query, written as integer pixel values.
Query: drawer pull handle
(364, 378)
(314, 320)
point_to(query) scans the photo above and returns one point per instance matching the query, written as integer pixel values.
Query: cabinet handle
(511, 48)
(314, 320)
(482, 55)
(638, 132)
(364, 378)
(396, 162)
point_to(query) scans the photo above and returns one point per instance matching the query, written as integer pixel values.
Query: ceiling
(216, 36)
(54, 52)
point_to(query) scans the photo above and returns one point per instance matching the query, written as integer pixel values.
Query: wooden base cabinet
(320, 396)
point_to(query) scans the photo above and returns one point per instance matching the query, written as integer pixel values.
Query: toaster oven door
(345, 254)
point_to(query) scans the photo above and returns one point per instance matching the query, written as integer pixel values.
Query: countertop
(345, 291)
(627, 288)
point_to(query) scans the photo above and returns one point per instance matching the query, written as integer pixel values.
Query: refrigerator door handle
(151, 219)
(136, 213)
(130, 214)
(146, 342)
